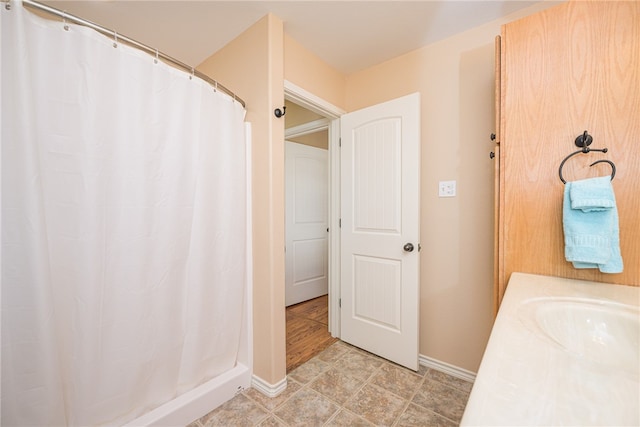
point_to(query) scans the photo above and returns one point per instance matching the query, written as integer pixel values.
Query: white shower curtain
(123, 227)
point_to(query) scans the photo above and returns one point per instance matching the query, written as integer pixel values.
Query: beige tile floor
(345, 386)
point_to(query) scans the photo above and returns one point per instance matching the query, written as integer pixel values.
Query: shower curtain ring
(115, 37)
(192, 73)
(156, 60)
(64, 20)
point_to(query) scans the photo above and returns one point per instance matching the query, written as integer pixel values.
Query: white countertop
(532, 377)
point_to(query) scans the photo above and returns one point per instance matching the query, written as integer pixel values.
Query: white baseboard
(270, 390)
(454, 371)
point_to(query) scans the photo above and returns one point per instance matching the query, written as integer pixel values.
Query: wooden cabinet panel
(570, 68)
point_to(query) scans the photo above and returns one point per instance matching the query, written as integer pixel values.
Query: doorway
(331, 114)
(387, 135)
(306, 207)
(307, 231)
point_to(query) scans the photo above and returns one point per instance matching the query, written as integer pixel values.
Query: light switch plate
(447, 189)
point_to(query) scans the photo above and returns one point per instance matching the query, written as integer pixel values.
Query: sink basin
(600, 332)
(561, 352)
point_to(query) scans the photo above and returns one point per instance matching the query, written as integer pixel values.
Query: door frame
(306, 99)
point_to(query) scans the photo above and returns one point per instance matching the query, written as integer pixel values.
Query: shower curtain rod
(118, 37)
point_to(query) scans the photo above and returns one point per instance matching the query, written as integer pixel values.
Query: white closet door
(306, 222)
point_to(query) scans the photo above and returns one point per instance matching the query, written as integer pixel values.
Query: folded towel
(594, 194)
(590, 221)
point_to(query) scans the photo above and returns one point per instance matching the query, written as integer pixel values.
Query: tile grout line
(447, 386)
(327, 365)
(364, 383)
(341, 406)
(369, 380)
(410, 400)
(302, 387)
(359, 389)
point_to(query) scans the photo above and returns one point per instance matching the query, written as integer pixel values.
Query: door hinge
(340, 222)
(339, 142)
(340, 302)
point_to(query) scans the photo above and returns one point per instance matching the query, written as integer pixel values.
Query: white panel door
(380, 172)
(306, 222)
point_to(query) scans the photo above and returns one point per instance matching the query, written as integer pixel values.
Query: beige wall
(309, 72)
(252, 66)
(455, 78)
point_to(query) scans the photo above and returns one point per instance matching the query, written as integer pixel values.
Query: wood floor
(307, 331)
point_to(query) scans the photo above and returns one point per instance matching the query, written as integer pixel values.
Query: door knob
(408, 247)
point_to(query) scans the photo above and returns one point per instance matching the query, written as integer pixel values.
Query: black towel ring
(584, 141)
(613, 166)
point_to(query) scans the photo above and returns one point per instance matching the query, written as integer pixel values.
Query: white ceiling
(348, 35)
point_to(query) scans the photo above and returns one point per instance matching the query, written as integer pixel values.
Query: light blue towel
(590, 220)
